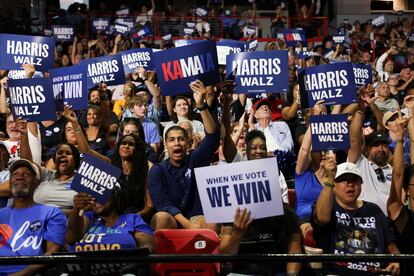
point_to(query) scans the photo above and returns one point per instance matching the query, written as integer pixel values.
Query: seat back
(186, 241)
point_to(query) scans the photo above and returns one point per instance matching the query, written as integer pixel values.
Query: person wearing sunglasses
(344, 224)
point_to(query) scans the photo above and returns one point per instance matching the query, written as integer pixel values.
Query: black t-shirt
(268, 235)
(362, 231)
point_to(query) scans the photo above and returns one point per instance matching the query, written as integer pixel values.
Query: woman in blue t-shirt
(106, 227)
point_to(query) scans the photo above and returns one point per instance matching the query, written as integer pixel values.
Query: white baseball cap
(348, 167)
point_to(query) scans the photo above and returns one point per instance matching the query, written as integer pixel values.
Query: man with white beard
(28, 228)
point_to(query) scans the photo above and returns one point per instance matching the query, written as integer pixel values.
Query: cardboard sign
(32, 99)
(177, 68)
(226, 47)
(333, 83)
(95, 177)
(23, 49)
(101, 24)
(135, 57)
(363, 74)
(70, 86)
(63, 32)
(252, 184)
(107, 69)
(259, 72)
(121, 29)
(329, 132)
(293, 36)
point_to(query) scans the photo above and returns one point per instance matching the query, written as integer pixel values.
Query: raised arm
(73, 54)
(228, 144)
(91, 43)
(409, 102)
(200, 98)
(155, 92)
(394, 203)
(3, 102)
(230, 236)
(77, 222)
(80, 137)
(116, 43)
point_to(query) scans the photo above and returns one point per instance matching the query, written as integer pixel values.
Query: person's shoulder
(370, 207)
(47, 209)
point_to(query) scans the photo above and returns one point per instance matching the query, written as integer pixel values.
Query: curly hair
(134, 184)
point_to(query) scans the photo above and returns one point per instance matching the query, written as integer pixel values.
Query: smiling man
(172, 182)
(343, 224)
(27, 228)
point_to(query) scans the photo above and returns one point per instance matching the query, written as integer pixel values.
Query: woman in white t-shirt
(145, 17)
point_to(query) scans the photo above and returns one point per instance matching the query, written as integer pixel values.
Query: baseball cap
(261, 102)
(25, 163)
(388, 115)
(348, 167)
(375, 137)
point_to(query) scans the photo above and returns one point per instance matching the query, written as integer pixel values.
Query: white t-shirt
(372, 190)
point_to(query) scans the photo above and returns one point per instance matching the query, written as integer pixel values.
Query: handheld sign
(95, 177)
(121, 29)
(101, 24)
(21, 74)
(260, 72)
(185, 42)
(252, 45)
(63, 32)
(70, 86)
(252, 184)
(177, 68)
(107, 69)
(293, 36)
(378, 21)
(228, 46)
(329, 132)
(338, 39)
(144, 32)
(23, 49)
(32, 99)
(333, 83)
(363, 74)
(135, 57)
(127, 21)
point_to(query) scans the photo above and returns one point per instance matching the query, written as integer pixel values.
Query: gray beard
(20, 193)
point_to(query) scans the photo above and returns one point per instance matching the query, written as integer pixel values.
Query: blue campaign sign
(101, 24)
(121, 29)
(144, 32)
(333, 83)
(177, 68)
(107, 69)
(70, 86)
(32, 99)
(63, 32)
(185, 42)
(259, 72)
(128, 21)
(23, 49)
(96, 177)
(306, 54)
(329, 132)
(363, 74)
(293, 36)
(133, 58)
(226, 47)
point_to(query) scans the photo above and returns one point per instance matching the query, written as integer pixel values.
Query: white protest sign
(252, 184)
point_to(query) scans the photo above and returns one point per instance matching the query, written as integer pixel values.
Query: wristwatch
(329, 184)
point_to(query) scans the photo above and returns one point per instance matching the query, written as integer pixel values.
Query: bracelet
(329, 184)
(203, 107)
(400, 140)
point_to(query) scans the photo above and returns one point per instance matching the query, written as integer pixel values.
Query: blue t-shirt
(119, 236)
(307, 189)
(23, 232)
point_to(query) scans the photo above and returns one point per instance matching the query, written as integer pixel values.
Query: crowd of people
(355, 201)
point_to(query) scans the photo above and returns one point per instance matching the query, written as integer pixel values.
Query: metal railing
(265, 259)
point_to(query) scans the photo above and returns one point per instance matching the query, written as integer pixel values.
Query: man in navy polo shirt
(172, 182)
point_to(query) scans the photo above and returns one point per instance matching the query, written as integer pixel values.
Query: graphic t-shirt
(119, 236)
(23, 232)
(362, 231)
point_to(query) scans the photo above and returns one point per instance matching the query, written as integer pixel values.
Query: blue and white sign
(123, 12)
(21, 74)
(63, 32)
(259, 72)
(329, 132)
(306, 54)
(177, 68)
(253, 185)
(107, 69)
(70, 86)
(135, 57)
(101, 24)
(293, 36)
(96, 178)
(363, 74)
(144, 32)
(378, 21)
(186, 42)
(23, 49)
(226, 47)
(128, 21)
(333, 83)
(338, 39)
(121, 29)
(32, 99)
(252, 45)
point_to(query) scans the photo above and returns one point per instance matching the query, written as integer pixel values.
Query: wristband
(329, 184)
(399, 141)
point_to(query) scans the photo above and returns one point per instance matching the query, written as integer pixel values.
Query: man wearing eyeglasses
(373, 164)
